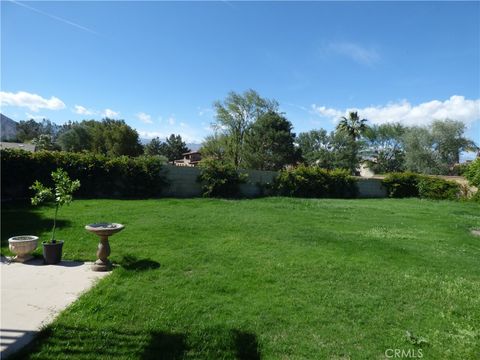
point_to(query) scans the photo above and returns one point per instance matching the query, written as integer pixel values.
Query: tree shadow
(130, 262)
(58, 340)
(246, 345)
(165, 346)
(21, 219)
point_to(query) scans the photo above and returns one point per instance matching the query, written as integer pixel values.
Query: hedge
(315, 182)
(220, 180)
(100, 176)
(416, 185)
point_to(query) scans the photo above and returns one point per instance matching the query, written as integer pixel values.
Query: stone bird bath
(103, 230)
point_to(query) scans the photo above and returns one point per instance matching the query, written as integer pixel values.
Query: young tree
(269, 143)
(234, 116)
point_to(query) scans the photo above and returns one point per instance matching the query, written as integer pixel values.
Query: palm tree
(352, 126)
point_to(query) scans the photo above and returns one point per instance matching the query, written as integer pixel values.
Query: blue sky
(161, 65)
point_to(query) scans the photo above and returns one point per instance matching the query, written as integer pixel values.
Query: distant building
(8, 128)
(11, 145)
(190, 159)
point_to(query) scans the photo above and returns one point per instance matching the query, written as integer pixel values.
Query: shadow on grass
(60, 341)
(132, 263)
(246, 345)
(23, 219)
(165, 346)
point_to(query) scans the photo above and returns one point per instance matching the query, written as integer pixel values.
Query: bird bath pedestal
(103, 230)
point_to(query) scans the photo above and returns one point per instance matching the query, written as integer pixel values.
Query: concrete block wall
(183, 183)
(370, 188)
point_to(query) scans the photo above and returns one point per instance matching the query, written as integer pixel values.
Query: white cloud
(356, 52)
(35, 117)
(455, 108)
(171, 120)
(188, 134)
(32, 101)
(83, 110)
(109, 113)
(145, 118)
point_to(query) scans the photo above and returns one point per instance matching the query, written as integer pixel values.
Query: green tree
(234, 117)
(419, 154)
(449, 141)
(316, 148)
(269, 143)
(154, 147)
(334, 150)
(75, 139)
(346, 154)
(44, 142)
(353, 126)
(114, 138)
(173, 147)
(60, 194)
(215, 147)
(385, 150)
(31, 129)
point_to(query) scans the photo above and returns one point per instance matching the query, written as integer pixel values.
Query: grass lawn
(272, 278)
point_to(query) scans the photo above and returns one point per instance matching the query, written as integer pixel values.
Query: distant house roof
(191, 152)
(10, 145)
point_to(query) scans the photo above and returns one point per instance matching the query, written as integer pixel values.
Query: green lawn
(272, 278)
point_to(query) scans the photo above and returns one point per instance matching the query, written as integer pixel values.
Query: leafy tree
(31, 129)
(44, 142)
(234, 117)
(60, 194)
(346, 154)
(449, 142)
(114, 138)
(419, 154)
(385, 150)
(173, 148)
(330, 151)
(269, 143)
(316, 148)
(154, 147)
(77, 138)
(215, 147)
(352, 126)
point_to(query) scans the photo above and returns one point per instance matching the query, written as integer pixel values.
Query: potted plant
(60, 195)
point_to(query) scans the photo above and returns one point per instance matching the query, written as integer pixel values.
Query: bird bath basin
(103, 230)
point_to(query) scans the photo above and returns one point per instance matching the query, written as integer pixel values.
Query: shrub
(315, 182)
(438, 189)
(416, 185)
(101, 176)
(401, 185)
(472, 173)
(219, 179)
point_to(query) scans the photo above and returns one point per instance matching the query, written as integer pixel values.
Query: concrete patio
(32, 294)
